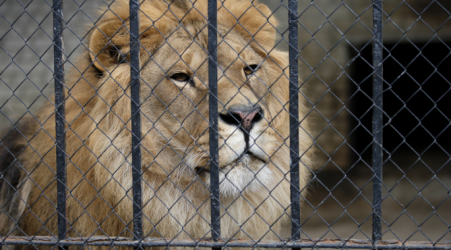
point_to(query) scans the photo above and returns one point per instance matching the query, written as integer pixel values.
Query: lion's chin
(246, 175)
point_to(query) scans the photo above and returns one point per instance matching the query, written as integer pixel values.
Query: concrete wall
(26, 52)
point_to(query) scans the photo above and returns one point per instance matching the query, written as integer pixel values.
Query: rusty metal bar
(295, 191)
(213, 119)
(136, 119)
(60, 134)
(154, 242)
(377, 120)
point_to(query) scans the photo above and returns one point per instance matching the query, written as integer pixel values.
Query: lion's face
(175, 104)
(252, 97)
(252, 92)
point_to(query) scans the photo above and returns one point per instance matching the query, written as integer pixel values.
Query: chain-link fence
(231, 123)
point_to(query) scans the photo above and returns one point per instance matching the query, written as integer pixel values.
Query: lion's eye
(181, 77)
(249, 70)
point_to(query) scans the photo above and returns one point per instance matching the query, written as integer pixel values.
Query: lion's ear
(108, 44)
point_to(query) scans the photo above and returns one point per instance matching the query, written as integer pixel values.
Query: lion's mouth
(247, 159)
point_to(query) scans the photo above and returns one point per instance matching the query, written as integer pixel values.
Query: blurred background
(335, 40)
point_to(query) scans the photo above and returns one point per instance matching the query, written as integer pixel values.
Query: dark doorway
(417, 104)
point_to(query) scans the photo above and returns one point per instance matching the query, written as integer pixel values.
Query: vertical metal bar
(377, 120)
(213, 118)
(294, 121)
(136, 119)
(60, 136)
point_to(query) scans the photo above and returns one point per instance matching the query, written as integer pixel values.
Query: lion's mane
(98, 141)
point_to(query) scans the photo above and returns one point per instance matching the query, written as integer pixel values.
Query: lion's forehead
(185, 47)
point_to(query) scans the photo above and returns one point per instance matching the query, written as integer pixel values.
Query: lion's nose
(244, 116)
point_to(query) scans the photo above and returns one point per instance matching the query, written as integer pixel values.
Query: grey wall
(26, 51)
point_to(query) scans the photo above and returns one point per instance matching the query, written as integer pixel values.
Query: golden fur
(174, 127)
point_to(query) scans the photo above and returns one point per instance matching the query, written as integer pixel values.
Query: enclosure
(373, 75)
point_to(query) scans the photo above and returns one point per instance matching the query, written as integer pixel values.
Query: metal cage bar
(294, 121)
(136, 119)
(231, 243)
(377, 120)
(60, 136)
(213, 119)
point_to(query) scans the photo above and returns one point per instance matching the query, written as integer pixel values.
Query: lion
(253, 131)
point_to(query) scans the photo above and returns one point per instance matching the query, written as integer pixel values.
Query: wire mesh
(185, 123)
